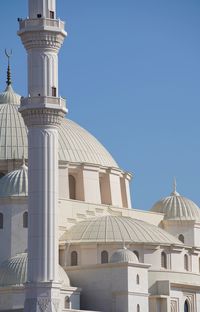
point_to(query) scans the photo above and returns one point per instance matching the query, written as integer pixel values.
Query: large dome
(177, 207)
(75, 143)
(14, 272)
(109, 229)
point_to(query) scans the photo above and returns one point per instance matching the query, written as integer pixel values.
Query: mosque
(70, 239)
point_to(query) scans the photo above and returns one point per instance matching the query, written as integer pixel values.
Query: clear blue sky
(130, 70)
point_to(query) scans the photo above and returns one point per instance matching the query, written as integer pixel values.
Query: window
(186, 263)
(25, 220)
(181, 238)
(138, 308)
(2, 174)
(51, 14)
(186, 306)
(72, 187)
(163, 260)
(67, 302)
(54, 91)
(137, 279)
(136, 253)
(1, 220)
(74, 258)
(104, 256)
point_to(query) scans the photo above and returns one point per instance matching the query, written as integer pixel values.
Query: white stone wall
(112, 287)
(13, 236)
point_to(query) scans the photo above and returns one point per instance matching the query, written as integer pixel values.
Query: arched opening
(186, 306)
(137, 279)
(104, 256)
(138, 308)
(1, 220)
(137, 254)
(25, 220)
(67, 302)
(2, 175)
(186, 263)
(74, 258)
(72, 187)
(163, 260)
(181, 238)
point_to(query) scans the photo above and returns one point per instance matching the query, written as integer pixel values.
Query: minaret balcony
(37, 24)
(51, 102)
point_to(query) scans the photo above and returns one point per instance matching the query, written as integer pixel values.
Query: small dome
(177, 207)
(109, 229)
(15, 183)
(123, 255)
(9, 96)
(14, 272)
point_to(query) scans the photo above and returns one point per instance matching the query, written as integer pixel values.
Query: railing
(41, 22)
(43, 100)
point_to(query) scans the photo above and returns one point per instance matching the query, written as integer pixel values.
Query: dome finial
(8, 55)
(174, 185)
(174, 193)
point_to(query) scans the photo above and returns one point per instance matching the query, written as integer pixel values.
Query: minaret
(42, 35)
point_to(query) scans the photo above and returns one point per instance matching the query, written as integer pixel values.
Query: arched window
(138, 308)
(104, 256)
(186, 306)
(163, 260)
(67, 302)
(1, 220)
(74, 258)
(137, 279)
(25, 219)
(186, 263)
(72, 187)
(181, 238)
(136, 253)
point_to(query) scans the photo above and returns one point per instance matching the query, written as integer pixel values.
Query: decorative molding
(42, 39)
(42, 116)
(174, 305)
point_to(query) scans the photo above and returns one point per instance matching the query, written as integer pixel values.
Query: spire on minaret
(8, 55)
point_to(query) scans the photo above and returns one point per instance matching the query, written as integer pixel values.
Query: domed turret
(177, 207)
(14, 272)
(123, 255)
(15, 183)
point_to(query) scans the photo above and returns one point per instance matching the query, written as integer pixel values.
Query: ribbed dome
(117, 229)
(13, 133)
(9, 96)
(75, 143)
(123, 255)
(14, 272)
(177, 207)
(78, 145)
(15, 183)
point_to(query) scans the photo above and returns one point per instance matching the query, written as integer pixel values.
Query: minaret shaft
(42, 73)
(44, 8)
(42, 36)
(43, 203)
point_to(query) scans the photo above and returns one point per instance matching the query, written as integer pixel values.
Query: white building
(111, 256)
